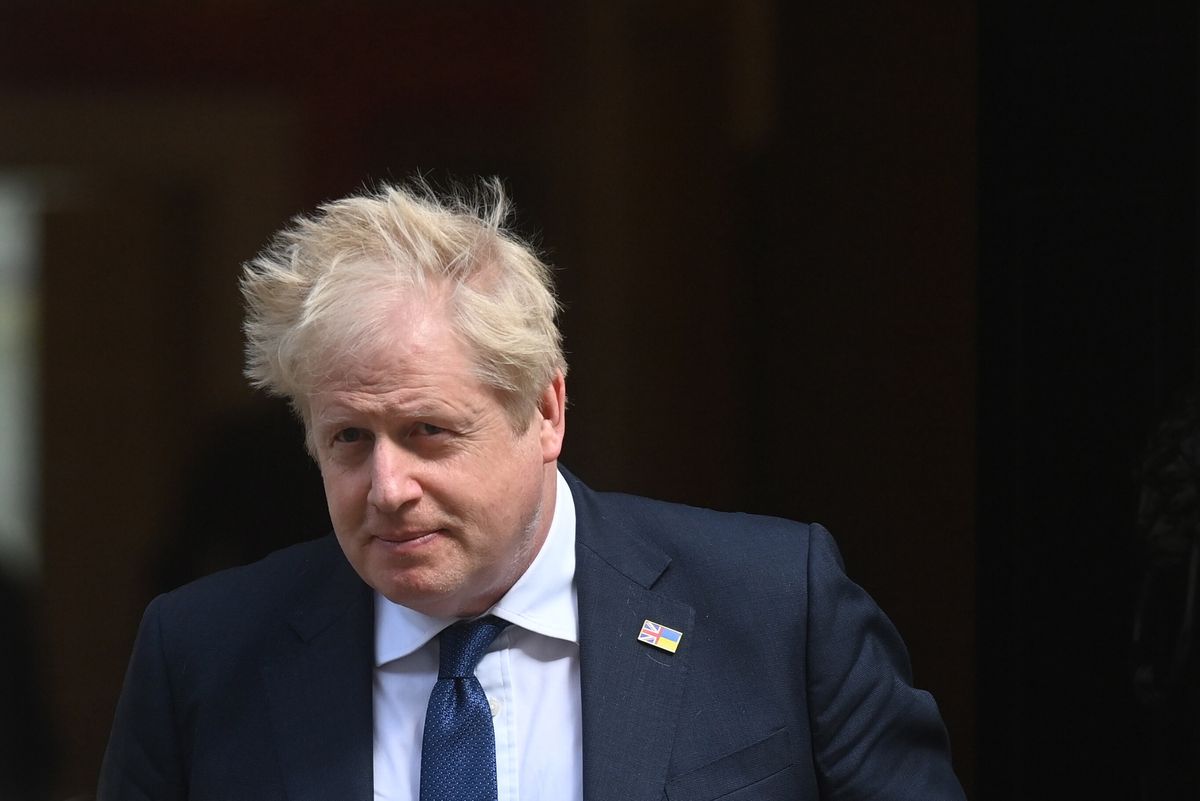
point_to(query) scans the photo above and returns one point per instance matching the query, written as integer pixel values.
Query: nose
(394, 480)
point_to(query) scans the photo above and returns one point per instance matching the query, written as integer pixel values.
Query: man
(482, 625)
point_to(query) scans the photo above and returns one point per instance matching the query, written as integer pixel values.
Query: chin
(427, 597)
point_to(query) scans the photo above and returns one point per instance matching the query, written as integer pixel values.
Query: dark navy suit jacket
(789, 683)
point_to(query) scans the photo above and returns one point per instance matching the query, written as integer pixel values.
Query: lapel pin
(659, 636)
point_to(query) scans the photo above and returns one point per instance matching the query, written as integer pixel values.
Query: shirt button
(494, 705)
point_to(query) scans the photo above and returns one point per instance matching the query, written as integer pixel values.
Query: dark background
(924, 274)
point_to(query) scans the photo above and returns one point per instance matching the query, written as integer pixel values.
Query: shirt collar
(543, 600)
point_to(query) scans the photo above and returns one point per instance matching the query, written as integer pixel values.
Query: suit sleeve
(874, 735)
(143, 761)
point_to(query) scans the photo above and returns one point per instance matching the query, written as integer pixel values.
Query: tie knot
(462, 645)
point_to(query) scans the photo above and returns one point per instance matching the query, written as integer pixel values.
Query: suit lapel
(320, 691)
(631, 692)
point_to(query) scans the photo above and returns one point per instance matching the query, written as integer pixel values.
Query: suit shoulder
(681, 530)
(261, 588)
(636, 506)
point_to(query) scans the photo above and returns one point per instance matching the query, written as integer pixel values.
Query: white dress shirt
(530, 675)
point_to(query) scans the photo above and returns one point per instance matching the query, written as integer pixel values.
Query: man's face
(436, 501)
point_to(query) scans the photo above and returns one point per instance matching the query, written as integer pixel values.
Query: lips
(402, 537)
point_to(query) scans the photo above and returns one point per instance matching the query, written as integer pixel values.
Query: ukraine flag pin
(660, 636)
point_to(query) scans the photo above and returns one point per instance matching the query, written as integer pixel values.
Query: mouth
(406, 540)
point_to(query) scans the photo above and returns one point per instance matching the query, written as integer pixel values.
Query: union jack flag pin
(660, 636)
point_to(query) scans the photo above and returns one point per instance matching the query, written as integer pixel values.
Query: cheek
(517, 493)
(342, 497)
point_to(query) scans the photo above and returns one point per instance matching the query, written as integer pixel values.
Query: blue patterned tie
(458, 752)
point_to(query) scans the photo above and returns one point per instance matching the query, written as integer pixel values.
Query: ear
(552, 417)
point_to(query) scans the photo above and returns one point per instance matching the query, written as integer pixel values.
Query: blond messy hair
(321, 288)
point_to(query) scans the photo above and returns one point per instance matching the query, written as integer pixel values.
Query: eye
(348, 436)
(428, 430)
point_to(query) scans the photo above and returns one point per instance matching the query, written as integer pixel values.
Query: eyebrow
(337, 412)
